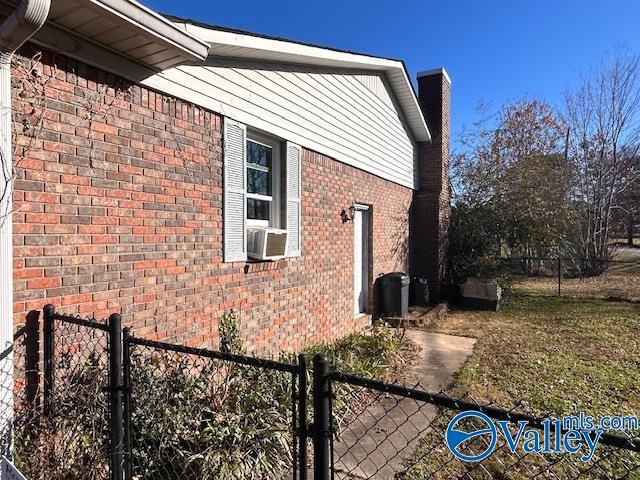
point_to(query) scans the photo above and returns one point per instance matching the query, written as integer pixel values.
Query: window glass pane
(258, 182)
(259, 168)
(258, 209)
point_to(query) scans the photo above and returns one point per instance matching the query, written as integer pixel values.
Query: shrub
(375, 353)
(192, 417)
(473, 240)
(71, 444)
(372, 353)
(222, 420)
(206, 419)
(229, 331)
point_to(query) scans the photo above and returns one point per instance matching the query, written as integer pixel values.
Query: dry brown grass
(620, 282)
(560, 355)
(615, 284)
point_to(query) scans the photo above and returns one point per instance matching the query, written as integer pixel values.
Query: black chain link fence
(383, 431)
(82, 401)
(200, 414)
(189, 413)
(57, 408)
(19, 390)
(592, 279)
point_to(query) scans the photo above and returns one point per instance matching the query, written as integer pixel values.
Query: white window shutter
(234, 193)
(294, 197)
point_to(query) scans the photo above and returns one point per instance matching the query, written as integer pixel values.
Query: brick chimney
(430, 209)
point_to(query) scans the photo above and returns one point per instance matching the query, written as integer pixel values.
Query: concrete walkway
(375, 443)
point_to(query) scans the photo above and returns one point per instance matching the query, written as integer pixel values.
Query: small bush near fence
(72, 442)
(192, 417)
(200, 418)
(380, 354)
(376, 353)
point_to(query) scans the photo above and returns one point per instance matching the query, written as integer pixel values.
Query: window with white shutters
(235, 191)
(294, 196)
(253, 190)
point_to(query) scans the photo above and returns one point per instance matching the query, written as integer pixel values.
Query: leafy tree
(551, 183)
(516, 170)
(474, 234)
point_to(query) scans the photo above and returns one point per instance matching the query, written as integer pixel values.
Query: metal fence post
(302, 405)
(321, 417)
(559, 274)
(49, 360)
(126, 401)
(115, 394)
(32, 360)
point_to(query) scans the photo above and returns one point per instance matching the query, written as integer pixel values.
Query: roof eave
(253, 47)
(146, 20)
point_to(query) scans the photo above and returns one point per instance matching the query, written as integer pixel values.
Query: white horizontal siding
(374, 83)
(349, 115)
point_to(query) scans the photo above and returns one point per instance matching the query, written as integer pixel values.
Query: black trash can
(419, 291)
(394, 294)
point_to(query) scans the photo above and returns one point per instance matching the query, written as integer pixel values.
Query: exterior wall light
(348, 216)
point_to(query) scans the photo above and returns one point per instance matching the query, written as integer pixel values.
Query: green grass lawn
(560, 355)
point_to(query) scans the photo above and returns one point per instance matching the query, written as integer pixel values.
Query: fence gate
(193, 413)
(113, 406)
(382, 430)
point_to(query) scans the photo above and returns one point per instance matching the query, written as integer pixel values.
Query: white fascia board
(421, 131)
(154, 25)
(298, 50)
(268, 49)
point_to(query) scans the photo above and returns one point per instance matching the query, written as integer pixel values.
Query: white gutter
(19, 26)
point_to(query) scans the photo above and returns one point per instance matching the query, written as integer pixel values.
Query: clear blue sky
(493, 50)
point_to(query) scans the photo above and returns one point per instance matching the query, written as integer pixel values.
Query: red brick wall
(431, 205)
(118, 208)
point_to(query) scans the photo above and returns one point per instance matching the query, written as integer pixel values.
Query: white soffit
(130, 29)
(242, 45)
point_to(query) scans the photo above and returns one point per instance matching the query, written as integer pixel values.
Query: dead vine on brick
(27, 116)
(97, 107)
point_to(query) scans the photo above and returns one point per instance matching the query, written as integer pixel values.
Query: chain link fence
(383, 431)
(200, 414)
(82, 399)
(90, 402)
(57, 407)
(600, 279)
(20, 389)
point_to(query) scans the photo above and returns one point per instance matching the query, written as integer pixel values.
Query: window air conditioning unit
(266, 243)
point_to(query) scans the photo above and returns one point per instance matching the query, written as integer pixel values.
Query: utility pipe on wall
(17, 28)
